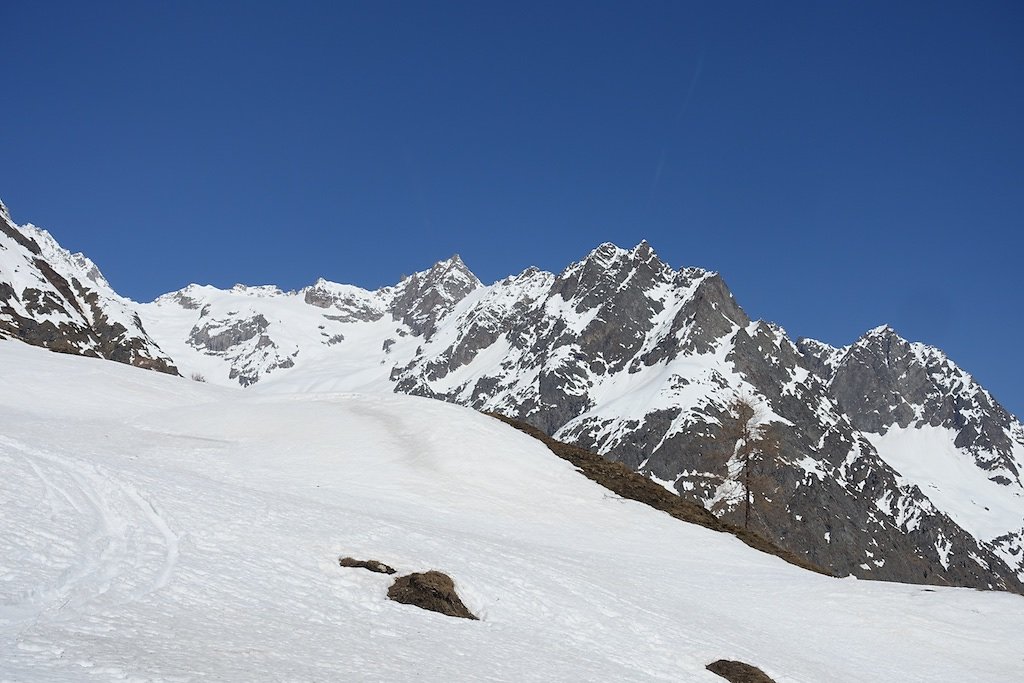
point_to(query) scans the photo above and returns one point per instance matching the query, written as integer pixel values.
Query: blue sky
(842, 164)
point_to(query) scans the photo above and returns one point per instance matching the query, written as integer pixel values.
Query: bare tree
(751, 438)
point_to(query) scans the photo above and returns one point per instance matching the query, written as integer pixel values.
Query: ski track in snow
(129, 552)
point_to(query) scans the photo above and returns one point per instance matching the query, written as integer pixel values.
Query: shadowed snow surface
(158, 529)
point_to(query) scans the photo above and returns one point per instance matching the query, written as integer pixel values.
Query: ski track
(129, 552)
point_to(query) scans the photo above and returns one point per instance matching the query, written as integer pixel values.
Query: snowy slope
(161, 529)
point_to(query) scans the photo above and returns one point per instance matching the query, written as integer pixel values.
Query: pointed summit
(643, 251)
(423, 298)
(452, 269)
(882, 331)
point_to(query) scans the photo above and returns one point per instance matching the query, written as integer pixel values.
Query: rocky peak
(8, 227)
(608, 270)
(883, 381)
(820, 358)
(4, 213)
(423, 298)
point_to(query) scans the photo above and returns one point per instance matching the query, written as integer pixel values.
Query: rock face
(938, 427)
(883, 381)
(870, 445)
(52, 298)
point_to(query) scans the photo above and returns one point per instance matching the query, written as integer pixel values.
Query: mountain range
(880, 460)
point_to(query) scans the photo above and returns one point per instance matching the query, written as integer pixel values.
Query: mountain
(53, 298)
(859, 465)
(159, 529)
(934, 424)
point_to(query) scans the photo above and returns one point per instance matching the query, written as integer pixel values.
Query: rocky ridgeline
(623, 355)
(52, 298)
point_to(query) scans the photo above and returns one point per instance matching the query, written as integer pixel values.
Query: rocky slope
(938, 427)
(52, 298)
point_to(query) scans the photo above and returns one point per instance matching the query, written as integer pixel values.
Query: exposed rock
(61, 301)
(372, 565)
(351, 303)
(883, 381)
(424, 298)
(738, 672)
(431, 590)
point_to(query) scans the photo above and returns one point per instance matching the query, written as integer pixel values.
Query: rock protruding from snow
(374, 566)
(738, 672)
(350, 304)
(431, 590)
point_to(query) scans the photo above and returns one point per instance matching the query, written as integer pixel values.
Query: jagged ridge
(624, 355)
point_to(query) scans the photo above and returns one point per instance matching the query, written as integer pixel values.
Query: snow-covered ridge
(74, 264)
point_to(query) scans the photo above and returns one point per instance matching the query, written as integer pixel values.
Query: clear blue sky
(841, 164)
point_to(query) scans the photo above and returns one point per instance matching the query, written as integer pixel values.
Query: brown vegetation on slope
(623, 481)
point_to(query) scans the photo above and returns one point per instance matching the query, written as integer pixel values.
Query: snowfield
(158, 529)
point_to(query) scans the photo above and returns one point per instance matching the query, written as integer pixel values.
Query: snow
(165, 530)
(951, 479)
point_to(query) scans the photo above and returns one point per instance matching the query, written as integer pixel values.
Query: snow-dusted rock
(53, 298)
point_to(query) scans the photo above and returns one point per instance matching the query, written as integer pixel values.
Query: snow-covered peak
(258, 291)
(820, 348)
(605, 254)
(4, 213)
(608, 269)
(612, 258)
(76, 264)
(451, 273)
(883, 330)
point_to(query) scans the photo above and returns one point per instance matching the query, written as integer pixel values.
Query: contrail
(675, 124)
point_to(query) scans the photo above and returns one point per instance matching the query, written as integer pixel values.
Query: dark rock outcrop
(738, 672)
(371, 565)
(431, 590)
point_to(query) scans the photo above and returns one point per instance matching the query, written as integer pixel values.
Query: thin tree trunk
(746, 486)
